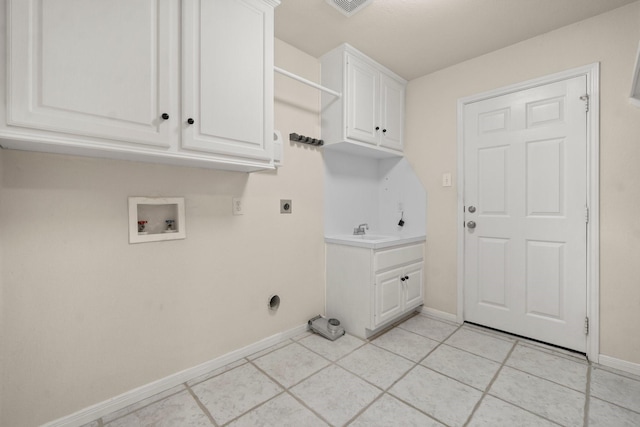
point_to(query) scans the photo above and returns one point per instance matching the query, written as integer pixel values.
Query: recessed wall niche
(153, 219)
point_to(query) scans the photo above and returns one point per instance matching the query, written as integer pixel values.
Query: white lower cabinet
(396, 292)
(367, 289)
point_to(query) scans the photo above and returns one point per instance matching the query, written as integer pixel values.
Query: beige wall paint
(611, 39)
(87, 316)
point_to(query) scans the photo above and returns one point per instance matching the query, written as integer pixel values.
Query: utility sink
(373, 241)
(373, 237)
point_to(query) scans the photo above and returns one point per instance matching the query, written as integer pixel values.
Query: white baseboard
(130, 397)
(439, 314)
(622, 365)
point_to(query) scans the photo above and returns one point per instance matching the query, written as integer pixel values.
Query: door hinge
(586, 326)
(585, 98)
(586, 214)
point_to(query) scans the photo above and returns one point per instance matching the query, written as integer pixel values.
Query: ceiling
(417, 37)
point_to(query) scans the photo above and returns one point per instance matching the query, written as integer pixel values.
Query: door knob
(471, 224)
(165, 116)
(190, 121)
(472, 209)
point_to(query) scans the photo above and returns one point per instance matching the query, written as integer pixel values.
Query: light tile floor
(423, 372)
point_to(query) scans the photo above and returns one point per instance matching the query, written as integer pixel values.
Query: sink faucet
(361, 229)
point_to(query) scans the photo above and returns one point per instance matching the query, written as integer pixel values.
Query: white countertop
(372, 241)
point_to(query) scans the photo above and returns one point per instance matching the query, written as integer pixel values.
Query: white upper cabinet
(361, 102)
(391, 112)
(370, 113)
(93, 68)
(227, 81)
(109, 78)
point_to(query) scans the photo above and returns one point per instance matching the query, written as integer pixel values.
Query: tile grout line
(504, 364)
(383, 391)
(522, 343)
(617, 405)
(488, 387)
(526, 410)
(595, 366)
(587, 397)
(143, 406)
(364, 409)
(313, 411)
(253, 408)
(201, 405)
(286, 390)
(363, 344)
(543, 378)
(386, 391)
(415, 364)
(335, 363)
(200, 381)
(618, 372)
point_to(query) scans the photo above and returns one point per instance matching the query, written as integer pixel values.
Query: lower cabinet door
(388, 296)
(414, 294)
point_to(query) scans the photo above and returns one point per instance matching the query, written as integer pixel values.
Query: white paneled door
(525, 195)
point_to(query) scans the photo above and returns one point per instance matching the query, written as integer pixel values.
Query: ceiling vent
(349, 7)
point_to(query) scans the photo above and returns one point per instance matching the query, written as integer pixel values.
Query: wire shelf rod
(307, 82)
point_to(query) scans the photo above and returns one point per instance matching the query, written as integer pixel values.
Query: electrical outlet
(237, 206)
(285, 206)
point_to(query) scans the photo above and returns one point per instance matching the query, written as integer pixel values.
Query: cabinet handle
(165, 116)
(377, 127)
(406, 277)
(403, 278)
(190, 121)
(384, 131)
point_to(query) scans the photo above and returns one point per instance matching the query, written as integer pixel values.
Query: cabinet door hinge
(586, 326)
(585, 98)
(586, 214)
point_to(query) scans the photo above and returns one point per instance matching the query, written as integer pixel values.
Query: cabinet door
(414, 294)
(362, 101)
(105, 69)
(391, 112)
(228, 77)
(388, 298)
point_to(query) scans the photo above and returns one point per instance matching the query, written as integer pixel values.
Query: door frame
(592, 73)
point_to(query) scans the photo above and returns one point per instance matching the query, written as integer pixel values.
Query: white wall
(399, 186)
(87, 316)
(611, 39)
(351, 193)
(366, 190)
